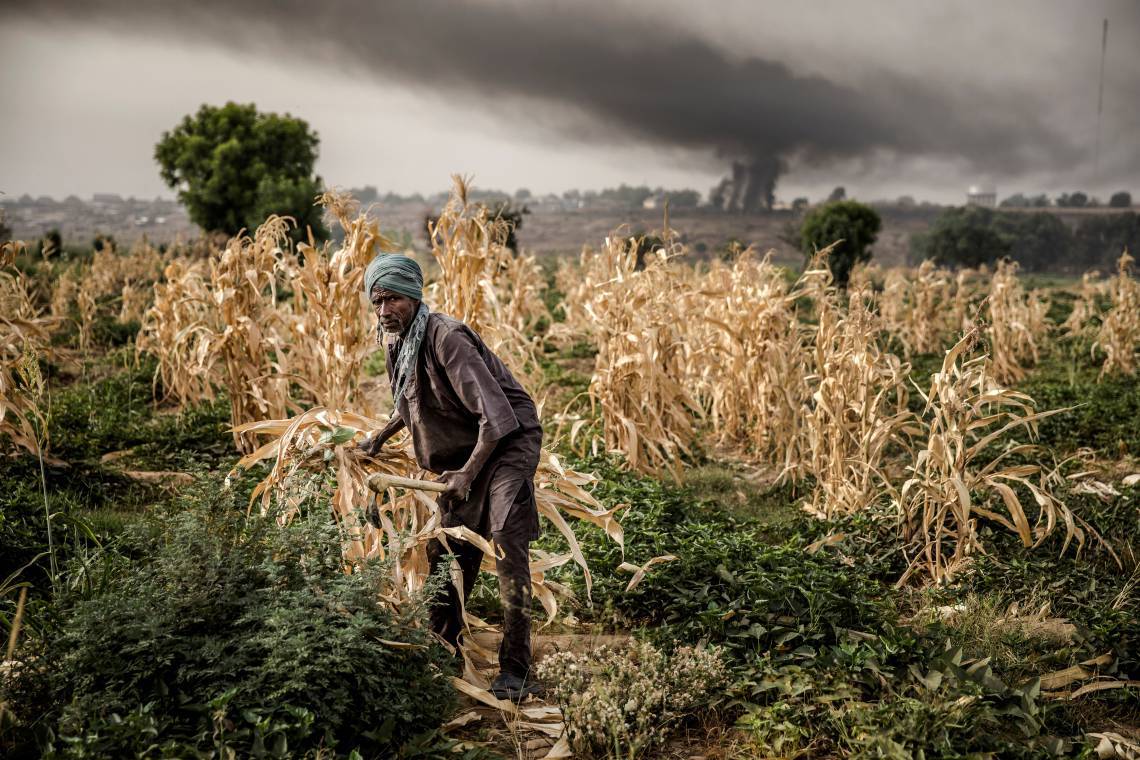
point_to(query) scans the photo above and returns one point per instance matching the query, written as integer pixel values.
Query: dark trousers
(513, 544)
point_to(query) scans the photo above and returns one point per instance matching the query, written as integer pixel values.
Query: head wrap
(397, 273)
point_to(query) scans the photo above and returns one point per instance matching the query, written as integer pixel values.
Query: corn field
(732, 357)
(897, 398)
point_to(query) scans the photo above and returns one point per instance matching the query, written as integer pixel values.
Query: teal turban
(395, 272)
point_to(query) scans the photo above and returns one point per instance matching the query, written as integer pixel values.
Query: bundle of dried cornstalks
(482, 283)
(176, 331)
(1016, 324)
(749, 366)
(1119, 336)
(225, 332)
(913, 306)
(587, 280)
(641, 377)
(857, 407)
(953, 481)
(1084, 307)
(969, 292)
(329, 321)
(24, 336)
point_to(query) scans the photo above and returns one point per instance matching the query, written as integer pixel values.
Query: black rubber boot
(509, 686)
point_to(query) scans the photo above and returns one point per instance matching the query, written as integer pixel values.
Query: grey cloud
(615, 74)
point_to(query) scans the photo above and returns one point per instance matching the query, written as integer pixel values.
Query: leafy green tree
(838, 194)
(233, 166)
(963, 237)
(1100, 239)
(1037, 241)
(1122, 199)
(854, 224)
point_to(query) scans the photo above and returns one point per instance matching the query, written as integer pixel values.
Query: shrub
(621, 703)
(234, 635)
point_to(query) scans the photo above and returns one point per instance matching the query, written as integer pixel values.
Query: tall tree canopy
(233, 166)
(854, 223)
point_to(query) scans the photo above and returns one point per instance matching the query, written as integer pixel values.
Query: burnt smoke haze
(610, 75)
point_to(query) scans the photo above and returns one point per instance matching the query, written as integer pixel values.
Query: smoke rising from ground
(597, 74)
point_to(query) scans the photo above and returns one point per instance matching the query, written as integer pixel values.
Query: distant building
(981, 196)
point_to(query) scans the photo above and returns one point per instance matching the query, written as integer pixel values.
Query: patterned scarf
(409, 351)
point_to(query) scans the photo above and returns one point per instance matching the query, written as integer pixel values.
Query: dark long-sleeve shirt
(457, 388)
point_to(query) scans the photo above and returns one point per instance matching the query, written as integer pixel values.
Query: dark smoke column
(751, 188)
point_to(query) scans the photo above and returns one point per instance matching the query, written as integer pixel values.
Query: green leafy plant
(234, 635)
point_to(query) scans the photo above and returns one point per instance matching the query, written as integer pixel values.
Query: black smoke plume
(598, 74)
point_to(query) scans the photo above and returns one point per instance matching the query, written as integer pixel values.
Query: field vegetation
(782, 518)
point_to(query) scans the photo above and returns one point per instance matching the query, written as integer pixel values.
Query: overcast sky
(886, 98)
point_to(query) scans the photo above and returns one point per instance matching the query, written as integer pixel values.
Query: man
(472, 424)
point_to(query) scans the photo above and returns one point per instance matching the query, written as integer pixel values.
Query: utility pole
(1100, 100)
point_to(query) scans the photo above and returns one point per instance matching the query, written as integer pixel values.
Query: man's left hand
(458, 484)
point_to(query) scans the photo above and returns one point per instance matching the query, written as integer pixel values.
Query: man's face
(395, 311)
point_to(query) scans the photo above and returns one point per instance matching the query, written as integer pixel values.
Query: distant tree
(799, 204)
(233, 166)
(5, 228)
(633, 197)
(51, 244)
(855, 224)
(730, 249)
(522, 194)
(1122, 199)
(101, 241)
(1017, 200)
(905, 201)
(1073, 200)
(643, 244)
(683, 198)
(365, 195)
(1040, 200)
(513, 216)
(962, 237)
(838, 194)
